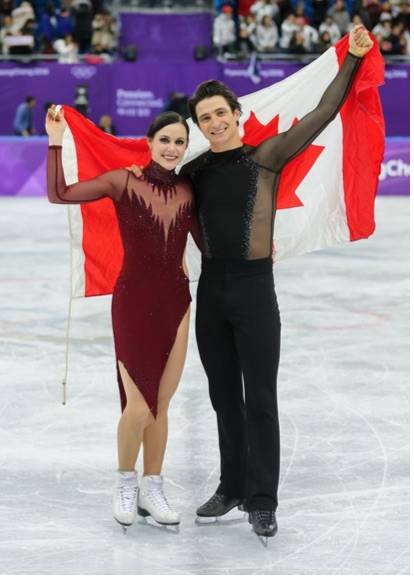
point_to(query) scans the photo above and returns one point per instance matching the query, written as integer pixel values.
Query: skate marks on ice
(343, 397)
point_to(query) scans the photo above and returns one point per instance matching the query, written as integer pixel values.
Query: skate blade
(166, 528)
(124, 526)
(263, 540)
(206, 520)
(222, 520)
(147, 515)
(225, 518)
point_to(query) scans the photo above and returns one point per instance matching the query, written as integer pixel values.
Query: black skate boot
(264, 523)
(218, 505)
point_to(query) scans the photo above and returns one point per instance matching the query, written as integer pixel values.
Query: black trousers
(238, 337)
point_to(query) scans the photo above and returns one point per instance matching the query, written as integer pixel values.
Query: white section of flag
(321, 221)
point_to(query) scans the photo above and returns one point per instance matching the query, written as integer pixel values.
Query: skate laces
(127, 494)
(157, 497)
(265, 516)
(215, 499)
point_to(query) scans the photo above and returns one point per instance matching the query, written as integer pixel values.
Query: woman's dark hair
(165, 119)
(209, 89)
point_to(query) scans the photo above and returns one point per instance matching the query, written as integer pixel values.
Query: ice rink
(344, 409)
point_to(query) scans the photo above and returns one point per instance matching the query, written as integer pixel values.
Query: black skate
(264, 524)
(218, 505)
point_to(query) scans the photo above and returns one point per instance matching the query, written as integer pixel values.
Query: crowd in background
(69, 28)
(64, 28)
(309, 26)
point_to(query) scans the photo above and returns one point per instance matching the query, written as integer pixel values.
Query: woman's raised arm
(109, 184)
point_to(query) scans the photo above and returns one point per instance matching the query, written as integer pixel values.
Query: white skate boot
(152, 501)
(125, 498)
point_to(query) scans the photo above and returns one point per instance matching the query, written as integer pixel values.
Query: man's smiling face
(218, 122)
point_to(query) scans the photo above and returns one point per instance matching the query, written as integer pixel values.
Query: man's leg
(257, 334)
(218, 354)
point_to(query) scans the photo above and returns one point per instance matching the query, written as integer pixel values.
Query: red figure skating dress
(151, 296)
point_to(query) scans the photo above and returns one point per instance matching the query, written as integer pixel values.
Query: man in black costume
(237, 323)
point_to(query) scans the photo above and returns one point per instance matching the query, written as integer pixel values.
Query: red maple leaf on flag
(295, 171)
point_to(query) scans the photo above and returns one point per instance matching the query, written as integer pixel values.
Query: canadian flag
(326, 194)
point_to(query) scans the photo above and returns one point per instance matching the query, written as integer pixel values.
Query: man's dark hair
(207, 90)
(29, 99)
(164, 119)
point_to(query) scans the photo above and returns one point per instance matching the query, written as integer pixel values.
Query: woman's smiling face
(168, 145)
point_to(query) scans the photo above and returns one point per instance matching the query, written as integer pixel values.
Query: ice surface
(344, 408)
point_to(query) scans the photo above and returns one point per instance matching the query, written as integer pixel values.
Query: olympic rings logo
(83, 72)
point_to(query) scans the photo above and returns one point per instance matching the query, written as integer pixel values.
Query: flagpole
(64, 381)
(67, 339)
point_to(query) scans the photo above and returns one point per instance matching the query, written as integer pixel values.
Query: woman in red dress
(151, 299)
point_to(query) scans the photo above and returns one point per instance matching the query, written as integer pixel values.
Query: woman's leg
(156, 432)
(131, 424)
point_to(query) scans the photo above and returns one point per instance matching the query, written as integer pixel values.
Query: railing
(305, 58)
(266, 57)
(29, 58)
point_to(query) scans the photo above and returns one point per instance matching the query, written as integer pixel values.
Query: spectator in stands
(247, 34)
(23, 119)
(402, 14)
(64, 23)
(39, 6)
(328, 25)
(267, 35)
(297, 43)
(104, 29)
(285, 8)
(386, 7)
(6, 7)
(67, 49)
(405, 42)
(396, 39)
(224, 31)
(396, 42)
(264, 8)
(360, 8)
(48, 27)
(340, 16)
(356, 20)
(310, 35)
(21, 15)
(324, 43)
(18, 35)
(406, 38)
(380, 40)
(319, 11)
(289, 26)
(5, 31)
(219, 5)
(300, 12)
(105, 124)
(81, 11)
(383, 28)
(373, 8)
(29, 28)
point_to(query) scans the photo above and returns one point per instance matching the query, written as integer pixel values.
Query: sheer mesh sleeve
(275, 152)
(195, 231)
(110, 184)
